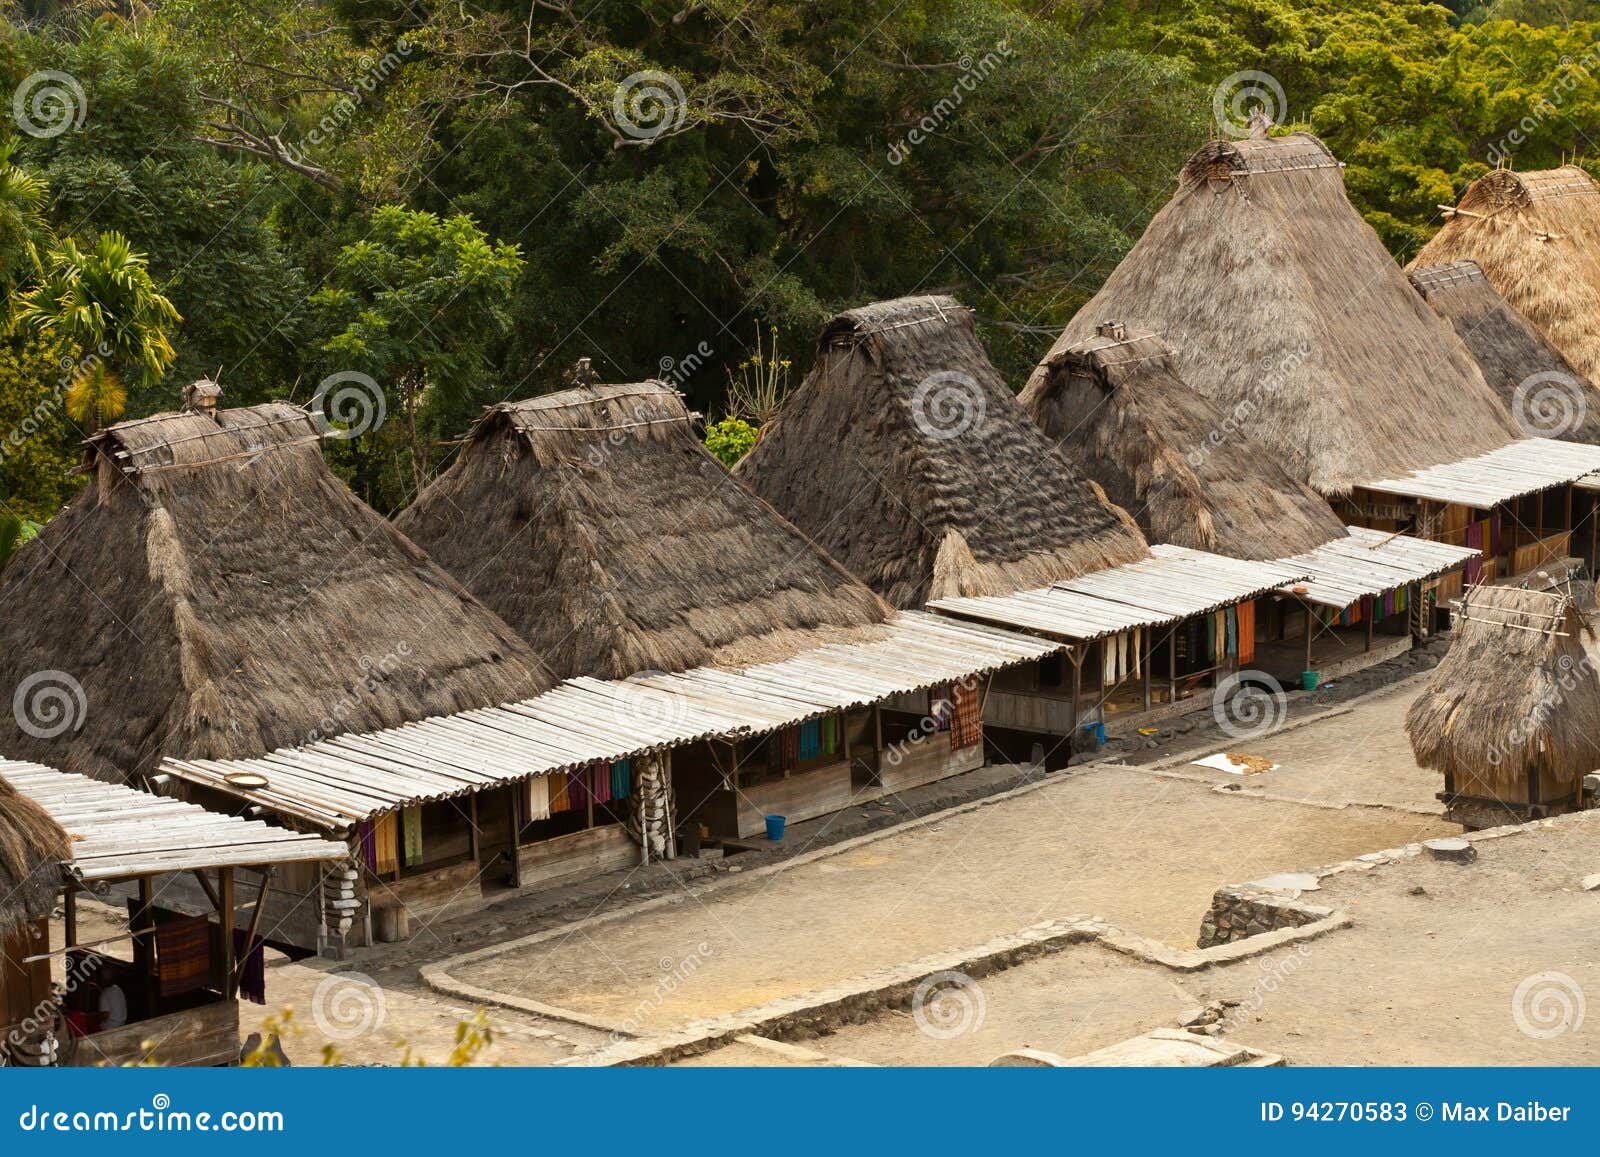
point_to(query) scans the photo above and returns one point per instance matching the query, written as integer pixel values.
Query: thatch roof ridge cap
(122, 444)
(1430, 279)
(1102, 351)
(878, 318)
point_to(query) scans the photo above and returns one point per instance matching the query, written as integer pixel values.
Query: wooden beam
(225, 911)
(267, 873)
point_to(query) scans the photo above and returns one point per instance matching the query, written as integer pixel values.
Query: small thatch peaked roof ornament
(1516, 694)
(1536, 236)
(596, 523)
(1275, 295)
(32, 849)
(907, 457)
(1545, 393)
(215, 592)
(202, 396)
(1116, 407)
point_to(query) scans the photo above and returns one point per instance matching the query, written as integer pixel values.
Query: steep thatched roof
(1537, 238)
(1547, 397)
(32, 848)
(598, 526)
(904, 454)
(1190, 476)
(215, 592)
(1273, 292)
(1515, 691)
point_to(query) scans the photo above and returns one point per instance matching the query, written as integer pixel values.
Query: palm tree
(96, 397)
(103, 300)
(23, 229)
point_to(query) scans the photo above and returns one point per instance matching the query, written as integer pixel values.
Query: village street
(1142, 847)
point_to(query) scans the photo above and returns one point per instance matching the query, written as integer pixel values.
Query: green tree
(37, 440)
(210, 224)
(414, 305)
(24, 231)
(102, 302)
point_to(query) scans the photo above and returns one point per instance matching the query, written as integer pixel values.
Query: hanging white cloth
(1138, 650)
(1108, 662)
(539, 798)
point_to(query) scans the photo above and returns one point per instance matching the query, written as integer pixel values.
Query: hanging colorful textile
(386, 844)
(578, 789)
(411, 823)
(538, 798)
(967, 712)
(183, 955)
(1474, 541)
(621, 779)
(811, 739)
(1247, 632)
(558, 792)
(830, 734)
(787, 742)
(939, 707)
(369, 846)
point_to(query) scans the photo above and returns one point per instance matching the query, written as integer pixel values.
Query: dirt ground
(1482, 964)
(1142, 851)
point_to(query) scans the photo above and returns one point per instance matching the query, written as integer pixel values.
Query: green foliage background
(824, 153)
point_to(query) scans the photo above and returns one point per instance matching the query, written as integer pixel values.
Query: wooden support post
(144, 948)
(1566, 514)
(1172, 665)
(1077, 687)
(1538, 515)
(255, 926)
(1310, 620)
(1144, 665)
(1100, 678)
(472, 825)
(69, 917)
(230, 986)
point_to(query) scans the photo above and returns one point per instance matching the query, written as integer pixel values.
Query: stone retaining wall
(1239, 911)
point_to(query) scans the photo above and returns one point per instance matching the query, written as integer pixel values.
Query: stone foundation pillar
(653, 809)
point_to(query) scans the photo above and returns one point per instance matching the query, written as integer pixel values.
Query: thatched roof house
(596, 523)
(1537, 238)
(215, 593)
(1121, 414)
(1547, 396)
(1512, 714)
(1277, 296)
(906, 456)
(32, 848)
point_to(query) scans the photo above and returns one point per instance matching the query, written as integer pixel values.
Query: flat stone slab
(1289, 882)
(1451, 848)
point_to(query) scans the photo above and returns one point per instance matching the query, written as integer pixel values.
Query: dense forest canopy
(448, 203)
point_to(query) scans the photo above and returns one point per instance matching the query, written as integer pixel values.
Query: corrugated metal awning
(1371, 562)
(339, 782)
(118, 832)
(1503, 474)
(1174, 584)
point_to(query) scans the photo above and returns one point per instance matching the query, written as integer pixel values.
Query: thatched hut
(1277, 297)
(215, 593)
(32, 847)
(596, 523)
(1536, 236)
(906, 456)
(1512, 714)
(1116, 407)
(1546, 395)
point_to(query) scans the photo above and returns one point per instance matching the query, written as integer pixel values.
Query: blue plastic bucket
(775, 827)
(1098, 730)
